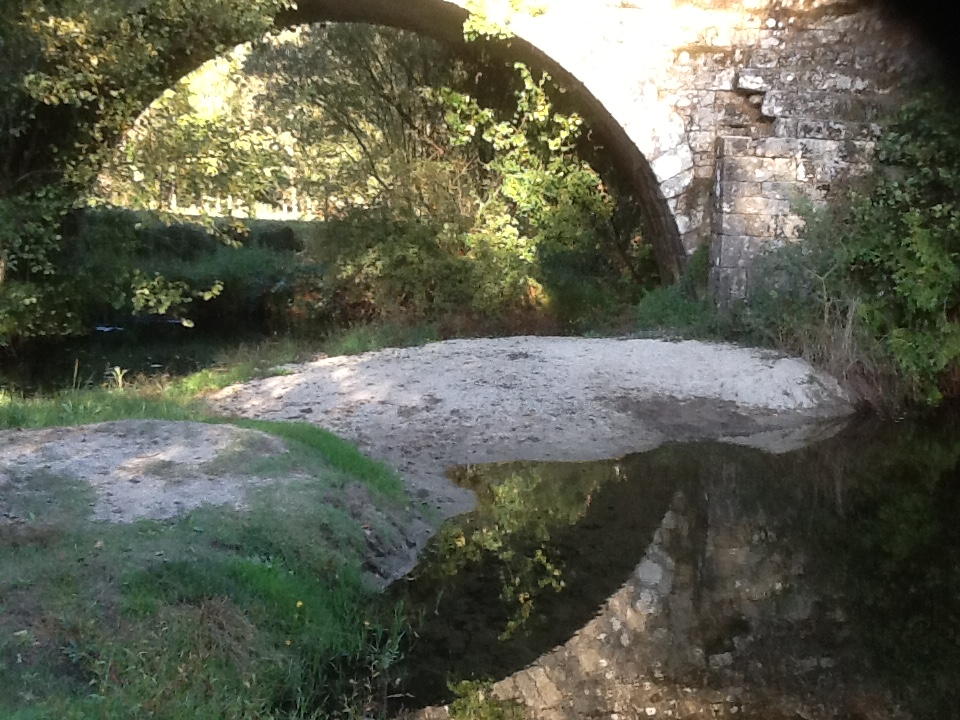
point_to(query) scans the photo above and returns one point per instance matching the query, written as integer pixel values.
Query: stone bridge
(719, 112)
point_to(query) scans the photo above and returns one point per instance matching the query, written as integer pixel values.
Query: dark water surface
(147, 347)
(829, 575)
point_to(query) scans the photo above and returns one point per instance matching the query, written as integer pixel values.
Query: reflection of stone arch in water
(558, 521)
(717, 620)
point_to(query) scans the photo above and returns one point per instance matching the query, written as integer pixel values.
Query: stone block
(735, 145)
(702, 141)
(760, 58)
(821, 105)
(755, 206)
(752, 80)
(719, 80)
(649, 573)
(857, 24)
(550, 696)
(734, 111)
(819, 79)
(732, 190)
(762, 225)
(728, 284)
(848, 83)
(770, 42)
(776, 147)
(820, 150)
(753, 169)
(673, 162)
(822, 129)
(704, 116)
(824, 172)
(704, 157)
(668, 134)
(790, 191)
(817, 56)
(704, 171)
(677, 184)
(785, 127)
(773, 105)
(824, 37)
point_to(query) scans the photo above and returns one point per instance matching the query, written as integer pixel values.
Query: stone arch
(719, 113)
(642, 134)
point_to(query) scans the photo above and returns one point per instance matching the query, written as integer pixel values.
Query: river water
(705, 580)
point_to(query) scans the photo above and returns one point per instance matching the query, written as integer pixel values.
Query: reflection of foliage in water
(898, 544)
(876, 510)
(476, 701)
(547, 545)
(518, 512)
(864, 523)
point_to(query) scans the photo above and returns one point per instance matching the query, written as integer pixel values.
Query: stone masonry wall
(740, 107)
(719, 112)
(820, 86)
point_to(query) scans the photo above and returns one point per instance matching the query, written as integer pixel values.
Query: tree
(74, 78)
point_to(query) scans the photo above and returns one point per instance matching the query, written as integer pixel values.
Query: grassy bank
(261, 613)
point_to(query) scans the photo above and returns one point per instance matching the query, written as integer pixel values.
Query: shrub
(802, 300)
(873, 293)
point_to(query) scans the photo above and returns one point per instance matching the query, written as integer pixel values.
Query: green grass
(685, 309)
(338, 453)
(376, 336)
(671, 311)
(159, 396)
(221, 614)
(77, 407)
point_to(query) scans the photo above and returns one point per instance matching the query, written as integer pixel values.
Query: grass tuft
(339, 453)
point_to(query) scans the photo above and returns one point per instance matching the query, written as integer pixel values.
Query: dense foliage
(440, 184)
(444, 184)
(874, 290)
(73, 78)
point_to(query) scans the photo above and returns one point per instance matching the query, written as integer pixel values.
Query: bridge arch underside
(444, 20)
(718, 113)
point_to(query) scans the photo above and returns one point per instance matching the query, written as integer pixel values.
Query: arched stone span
(444, 19)
(720, 112)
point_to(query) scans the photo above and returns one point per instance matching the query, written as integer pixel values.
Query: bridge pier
(720, 113)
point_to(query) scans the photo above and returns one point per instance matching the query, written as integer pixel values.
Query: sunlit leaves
(74, 75)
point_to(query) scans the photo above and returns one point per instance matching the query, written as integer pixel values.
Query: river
(705, 580)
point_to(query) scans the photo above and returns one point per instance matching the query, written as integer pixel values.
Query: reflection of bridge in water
(728, 614)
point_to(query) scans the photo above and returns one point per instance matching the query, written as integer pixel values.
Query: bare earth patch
(534, 398)
(141, 469)
(161, 470)
(425, 409)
